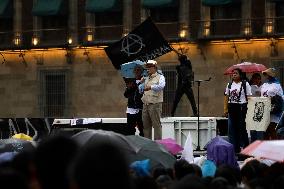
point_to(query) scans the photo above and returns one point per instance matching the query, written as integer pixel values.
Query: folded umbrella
(171, 145)
(127, 69)
(246, 67)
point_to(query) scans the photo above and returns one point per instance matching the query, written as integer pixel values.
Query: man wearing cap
(152, 101)
(272, 88)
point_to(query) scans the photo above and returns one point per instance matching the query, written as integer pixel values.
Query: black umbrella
(148, 149)
(15, 145)
(92, 136)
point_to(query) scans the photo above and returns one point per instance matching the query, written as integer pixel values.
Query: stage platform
(177, 128)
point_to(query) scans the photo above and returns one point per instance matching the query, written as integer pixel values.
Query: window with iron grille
(229, 16)
(167, 14)
(53, 96)
(169, 90)
(167, 20)
(279, 17)
(279, 66)
(54, 28)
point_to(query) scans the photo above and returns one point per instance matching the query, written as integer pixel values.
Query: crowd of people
(60, 162)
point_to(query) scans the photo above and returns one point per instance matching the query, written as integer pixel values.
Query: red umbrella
(246, 67)
(272, 149)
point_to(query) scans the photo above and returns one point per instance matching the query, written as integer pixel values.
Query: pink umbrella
(171, 145)
(246, 67)
(272, 149)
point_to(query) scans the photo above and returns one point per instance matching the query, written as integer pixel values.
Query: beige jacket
(151, 96)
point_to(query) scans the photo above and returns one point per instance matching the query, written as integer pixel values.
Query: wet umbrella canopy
(221, 152)
(90, 136)
(246, 67)
(148, 149)
(272, 149)
(127, 69)
(171, 145)
(15, 145)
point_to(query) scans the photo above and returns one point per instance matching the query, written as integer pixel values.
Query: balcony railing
(209, 29)
(169, 30)
(239, 28)
(101, 34)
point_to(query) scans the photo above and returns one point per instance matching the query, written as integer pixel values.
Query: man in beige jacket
(152, 101)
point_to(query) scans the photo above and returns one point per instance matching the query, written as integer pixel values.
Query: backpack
(242, 86)
(276, 104)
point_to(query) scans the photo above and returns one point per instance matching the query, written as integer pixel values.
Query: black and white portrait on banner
(258, 114)
(258, 111)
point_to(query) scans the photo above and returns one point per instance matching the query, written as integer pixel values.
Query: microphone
(203, 80)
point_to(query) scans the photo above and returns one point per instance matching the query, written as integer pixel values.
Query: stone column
(144, 12)
(270, 17)
(183, 19)
(205, 21)
(73, 21)
(17, 22)
(90, 27)
(127, 16)
(246, 17)
(37, 32)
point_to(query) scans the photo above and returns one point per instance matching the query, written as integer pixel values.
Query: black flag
(144, 43)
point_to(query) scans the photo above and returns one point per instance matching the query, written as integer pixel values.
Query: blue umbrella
(127, 69)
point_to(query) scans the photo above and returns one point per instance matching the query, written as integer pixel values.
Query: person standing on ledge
(134, 104)
(185, 78)
(237, 92)
(152, 101)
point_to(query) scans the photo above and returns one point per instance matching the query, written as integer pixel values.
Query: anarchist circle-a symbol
(132, 44)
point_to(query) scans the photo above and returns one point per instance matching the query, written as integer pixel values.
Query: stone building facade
(54, 63)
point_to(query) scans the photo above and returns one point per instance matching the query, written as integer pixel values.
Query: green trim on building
(96, 6)
(49, 8)
(219, 2)
(159, 3)
(6, 8)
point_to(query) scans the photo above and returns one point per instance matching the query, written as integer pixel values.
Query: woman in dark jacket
(134, 104)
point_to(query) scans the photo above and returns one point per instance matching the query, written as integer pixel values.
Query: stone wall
(96, 88)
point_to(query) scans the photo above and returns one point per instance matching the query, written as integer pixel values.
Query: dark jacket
(134, 97)
(185, 74)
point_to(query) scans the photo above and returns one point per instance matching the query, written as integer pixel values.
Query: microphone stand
(198, 116)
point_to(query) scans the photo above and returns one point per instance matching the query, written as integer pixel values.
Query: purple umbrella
(221, 152)
(171, 145)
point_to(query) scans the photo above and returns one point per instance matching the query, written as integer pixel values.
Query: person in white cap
(272, 88)
(152, 101)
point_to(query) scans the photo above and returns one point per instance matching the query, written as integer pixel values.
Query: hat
(270, 72)
(151, 63)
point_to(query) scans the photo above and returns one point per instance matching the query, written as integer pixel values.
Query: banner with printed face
(258, 114)
(144, 43)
